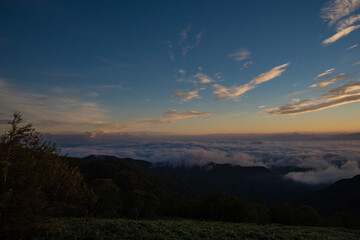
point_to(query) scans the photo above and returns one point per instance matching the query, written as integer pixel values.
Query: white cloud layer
(313, 162)
(326, 175)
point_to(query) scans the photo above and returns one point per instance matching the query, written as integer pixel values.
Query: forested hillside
(37, 183)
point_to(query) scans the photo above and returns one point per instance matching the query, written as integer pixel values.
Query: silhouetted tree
(343, 219)
(140, 204)
(171, 204)
(35, 181)
(307, 216)
(283, 214)
(258, 213)
(109, 202)
(220, 206)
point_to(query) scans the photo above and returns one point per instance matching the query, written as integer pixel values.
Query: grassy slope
(83, 228)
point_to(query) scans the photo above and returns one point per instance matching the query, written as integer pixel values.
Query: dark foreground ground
(90, 228)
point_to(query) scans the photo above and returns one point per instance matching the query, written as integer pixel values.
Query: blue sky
(186, 67)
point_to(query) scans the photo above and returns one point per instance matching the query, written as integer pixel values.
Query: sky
(181, 67)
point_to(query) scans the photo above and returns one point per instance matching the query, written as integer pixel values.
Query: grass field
(90, 228)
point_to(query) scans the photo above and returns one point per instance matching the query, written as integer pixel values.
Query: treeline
(35, 181)
(38, 183)
(138, 204)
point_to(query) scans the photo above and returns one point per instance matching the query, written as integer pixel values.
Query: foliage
(91, 228)
(307, 216)
(140, 204)
(343, 219)
(35, 181)
(109, 198)
(173, 205)
(283, 214)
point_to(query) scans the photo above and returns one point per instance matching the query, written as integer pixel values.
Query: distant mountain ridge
(256, 184)
(128, 175)
(344, 195)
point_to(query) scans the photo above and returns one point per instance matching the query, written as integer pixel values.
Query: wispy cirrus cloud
(183, 95)
(182, 71)
(340, 34)
(222, 93)
(198, 78)
(273, 73)
(97, 128)
(91, 127)
(246, 65)
(330, 80)
(185, 32)
(357, 64)
(198, 38)
(171, 56)
(333, 11)
(186, 43)
(240, 55)
(56, 111)
(51, 107)
(351, 47)
(203, 78)
(186, 49)
(172, 116)
(344, 89)
(347, 93)
(298, 92)
(329, 71)
(170, 52)
(344, 23)
(168, 117)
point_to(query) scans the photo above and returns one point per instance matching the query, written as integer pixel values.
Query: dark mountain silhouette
(344, 195)
(128, 176)
(256, 184)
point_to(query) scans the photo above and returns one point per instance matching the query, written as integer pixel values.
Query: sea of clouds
(320, 160)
